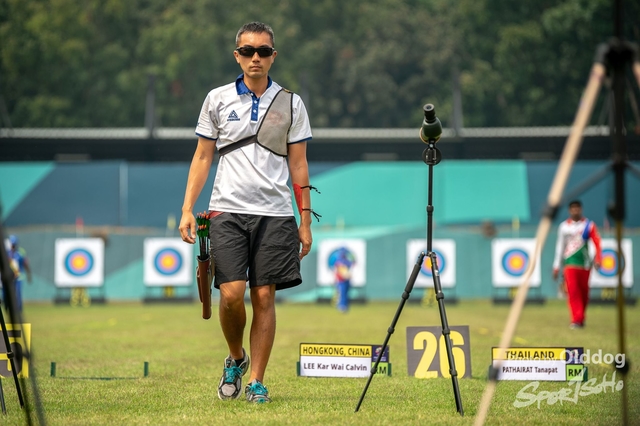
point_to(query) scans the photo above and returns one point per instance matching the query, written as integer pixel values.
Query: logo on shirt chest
(233, 116)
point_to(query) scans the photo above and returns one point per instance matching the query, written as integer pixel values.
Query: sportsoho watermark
(573, 356)
(529, 394)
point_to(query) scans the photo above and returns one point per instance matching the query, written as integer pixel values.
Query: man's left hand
(305, 240)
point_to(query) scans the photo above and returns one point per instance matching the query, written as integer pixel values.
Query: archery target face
(167, 262)
(79, 262)
(609, 266)
(342, 253)
(515, 262)
(607, 274)
(445, 250)
(510, 258)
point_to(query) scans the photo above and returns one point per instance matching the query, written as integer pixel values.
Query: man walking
(260, 131)
(572, 252)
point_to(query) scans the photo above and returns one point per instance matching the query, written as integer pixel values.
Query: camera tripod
(430, 133)
(7, 279)
(611, 59)
(15, 316)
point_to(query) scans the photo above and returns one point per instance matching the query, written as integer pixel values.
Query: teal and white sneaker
(257, 392)
(231, 382)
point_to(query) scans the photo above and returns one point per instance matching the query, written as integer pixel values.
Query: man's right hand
(187, 227)
(555, 274)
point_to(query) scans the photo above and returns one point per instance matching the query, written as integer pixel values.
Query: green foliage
(356, 63)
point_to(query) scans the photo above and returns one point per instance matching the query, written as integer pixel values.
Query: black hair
(575, 203)
(255, 27)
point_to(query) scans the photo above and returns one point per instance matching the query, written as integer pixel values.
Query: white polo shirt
(250, 179)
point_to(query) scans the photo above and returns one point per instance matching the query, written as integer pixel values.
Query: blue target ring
(168, 261)
(515, 262)
(425, 268)
(78, 262)
(609, 263)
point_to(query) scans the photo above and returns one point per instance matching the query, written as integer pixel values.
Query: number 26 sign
(427, 352)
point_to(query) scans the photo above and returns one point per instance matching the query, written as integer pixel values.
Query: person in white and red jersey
(260, 131)
(572, 254)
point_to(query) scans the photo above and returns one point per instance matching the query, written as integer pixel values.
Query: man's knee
(263, 297)
(232, 294)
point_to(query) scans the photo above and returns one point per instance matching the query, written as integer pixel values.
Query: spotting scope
(431, 127)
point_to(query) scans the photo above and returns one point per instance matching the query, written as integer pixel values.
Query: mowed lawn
(185, 355)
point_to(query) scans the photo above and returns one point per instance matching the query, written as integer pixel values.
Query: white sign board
(79, 262)
(344, 256)
(510, 258)
(445, 251)
(538, 364)
(167, 262)
(607, 274)
(340, 360)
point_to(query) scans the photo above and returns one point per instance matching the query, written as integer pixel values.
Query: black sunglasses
(249, 51)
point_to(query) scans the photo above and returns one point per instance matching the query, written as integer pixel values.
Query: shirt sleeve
(300, 126)
(207, 121)
(595, 237)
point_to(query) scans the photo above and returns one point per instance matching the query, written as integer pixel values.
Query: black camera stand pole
(431, 156)
(12, 363)
(15, 316)
(7, 279)
(619, 56)
(430, 133)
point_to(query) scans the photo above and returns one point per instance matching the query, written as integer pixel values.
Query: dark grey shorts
(263, 250)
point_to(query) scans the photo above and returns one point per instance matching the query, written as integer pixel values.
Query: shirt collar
(242, 88)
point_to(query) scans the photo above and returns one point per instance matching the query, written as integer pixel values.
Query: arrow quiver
(206, 266)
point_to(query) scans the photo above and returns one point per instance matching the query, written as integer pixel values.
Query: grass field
(185, 356)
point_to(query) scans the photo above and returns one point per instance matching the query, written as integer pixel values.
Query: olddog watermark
(573, 356)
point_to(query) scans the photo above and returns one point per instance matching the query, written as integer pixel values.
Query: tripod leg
(636, 70)
(405, 297)
(446, 332)
(11, 357)
(4, 406)
(588, 183)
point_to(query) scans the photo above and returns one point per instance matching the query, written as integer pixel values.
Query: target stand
(505, 296)
(79, 296)
(168, 294)
(609, 296)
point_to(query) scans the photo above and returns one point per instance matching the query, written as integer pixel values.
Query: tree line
(374, 63)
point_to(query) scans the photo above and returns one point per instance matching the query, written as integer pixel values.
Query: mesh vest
(273, 133)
